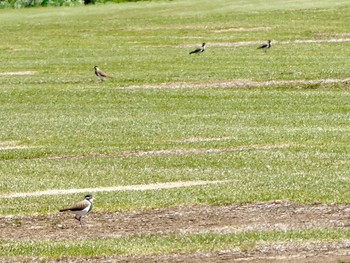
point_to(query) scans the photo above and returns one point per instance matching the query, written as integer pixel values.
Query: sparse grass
(61, 110)
(163, 244)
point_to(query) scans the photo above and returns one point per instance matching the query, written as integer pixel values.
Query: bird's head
(269, 41)
(96, 67)
(203, 45)
(89, 197)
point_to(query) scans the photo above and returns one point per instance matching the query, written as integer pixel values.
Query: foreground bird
(265, 46)
(199, 50)
(100, 74)
(80, 209)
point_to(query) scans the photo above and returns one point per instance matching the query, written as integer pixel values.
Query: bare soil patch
(196, 219)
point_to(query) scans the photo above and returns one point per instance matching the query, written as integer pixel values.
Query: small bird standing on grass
(100, 74)
(265, 46)
(199, 50)
(81, 209)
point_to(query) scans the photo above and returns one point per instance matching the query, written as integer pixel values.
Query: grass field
(271, 125)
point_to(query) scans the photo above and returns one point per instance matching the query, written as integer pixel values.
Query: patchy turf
(269, 125)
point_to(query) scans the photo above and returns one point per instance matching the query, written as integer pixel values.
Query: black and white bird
(101, 74)
(198, 50)
(265, 46)
(81, 209)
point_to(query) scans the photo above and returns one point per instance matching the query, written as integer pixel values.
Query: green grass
(61, 110)
(140, 43)
(312, 122)
(157, 244)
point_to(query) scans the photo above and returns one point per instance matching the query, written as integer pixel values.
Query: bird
(266, 45)
(100, 74)
(81, 209)
(199, 50)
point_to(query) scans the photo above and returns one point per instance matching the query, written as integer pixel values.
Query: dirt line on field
(276, 42)
(241, 29)
(143, 187)
(18, 73)
(4, 148)
(12, 145)
(239, 83)
(196, 139)
(168, 152)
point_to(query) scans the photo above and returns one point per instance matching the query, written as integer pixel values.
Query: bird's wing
(196, 50)
(77, 207)
(103, 74)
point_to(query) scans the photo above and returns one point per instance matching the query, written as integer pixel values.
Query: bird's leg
(79, 219)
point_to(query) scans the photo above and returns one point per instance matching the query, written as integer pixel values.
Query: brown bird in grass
(100, 74)
(81, 209)
(199, 50)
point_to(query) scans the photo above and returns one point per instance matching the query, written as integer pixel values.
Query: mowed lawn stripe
(170, 152)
